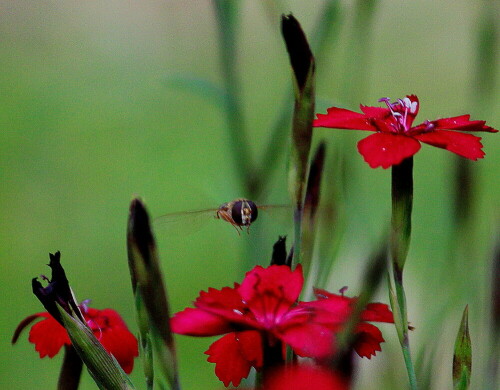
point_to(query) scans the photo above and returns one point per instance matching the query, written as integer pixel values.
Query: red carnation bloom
(264, 309)
(333, 310)
(395, 138)
(108, 327)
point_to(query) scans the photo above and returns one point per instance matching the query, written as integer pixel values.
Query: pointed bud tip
(139, 229)
(301, 57)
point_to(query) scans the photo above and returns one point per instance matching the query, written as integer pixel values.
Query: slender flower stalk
(402, 203)
(71, 370)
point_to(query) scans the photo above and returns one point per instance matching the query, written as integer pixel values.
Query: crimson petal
(278, 281)
(368, 341)
(463, 123)
(379, 312)
(340, 118)
(48, 336)
(230, 353)
(465, 145)
(122, 344)
(384, 149)
(375, 112)
(197, 322)
(309, 340)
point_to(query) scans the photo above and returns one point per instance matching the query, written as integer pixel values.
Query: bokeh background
(103, 101)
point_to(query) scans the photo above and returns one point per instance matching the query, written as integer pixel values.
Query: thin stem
(402, 204)
(409, 365)
(272, 358)
(71, 370)
(297, 247)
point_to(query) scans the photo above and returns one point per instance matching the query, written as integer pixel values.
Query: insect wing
(282, 214)
(185, 222)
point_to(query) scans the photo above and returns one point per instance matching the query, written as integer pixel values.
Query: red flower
(333, 310)
(304, 377)
(108, 327)
(395, 138)
(260, 312)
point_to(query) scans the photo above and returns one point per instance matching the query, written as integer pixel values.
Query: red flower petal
(112, 332)
(409, 108)
(304, 377)
(340, 118)
(48, 336)
(330, 309)
(227, 298)
(384, 149)
(122, 344)
(271, 292)
(378, 312)
(226, 303)
(309, 340)
(198, 322)
(369, 339)
(278, 280)
(251, 347)
(375, 112)
(465, 145)
(463, 123)
(231, 355)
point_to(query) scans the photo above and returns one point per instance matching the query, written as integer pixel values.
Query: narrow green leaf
(103, 368)
(145, 341)
(462, 356)
(151, 296)
(302, 62)
(203, 88)
(311, 204)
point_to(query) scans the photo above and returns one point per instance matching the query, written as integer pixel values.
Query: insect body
(239, 213)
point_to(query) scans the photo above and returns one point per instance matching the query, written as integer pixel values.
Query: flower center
(403, 111)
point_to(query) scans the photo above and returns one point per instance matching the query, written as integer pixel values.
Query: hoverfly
(239, 213)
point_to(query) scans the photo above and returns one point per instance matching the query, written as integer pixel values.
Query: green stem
(402, 204)
(297, 247)
(409, 365)
(71, 370)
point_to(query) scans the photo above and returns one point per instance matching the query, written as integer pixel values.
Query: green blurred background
(102, 101)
